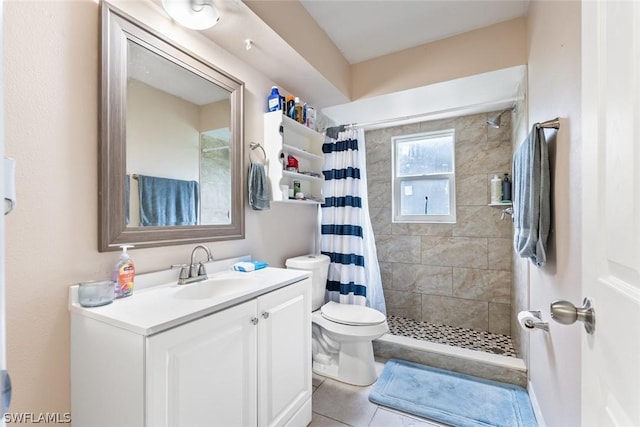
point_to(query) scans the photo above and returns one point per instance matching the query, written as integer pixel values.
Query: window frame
(396, 181)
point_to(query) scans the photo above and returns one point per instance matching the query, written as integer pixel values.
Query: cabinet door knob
(254, 320)
(265, 314)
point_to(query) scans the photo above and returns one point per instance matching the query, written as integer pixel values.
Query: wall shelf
(299, 202)
(291, 149)
(501, 205)
(284, 136)
(296, 175)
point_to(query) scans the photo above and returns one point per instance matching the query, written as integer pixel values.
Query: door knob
(566, 313)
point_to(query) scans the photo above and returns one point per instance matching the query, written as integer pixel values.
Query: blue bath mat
(451, 398)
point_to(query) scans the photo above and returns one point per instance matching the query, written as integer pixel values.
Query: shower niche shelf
(284, 136)
(501, 205)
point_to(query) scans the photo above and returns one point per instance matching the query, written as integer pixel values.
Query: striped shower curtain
(346, 232)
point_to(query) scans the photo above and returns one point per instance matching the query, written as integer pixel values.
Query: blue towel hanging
(258, 187)
(167, 202)
(532, 194)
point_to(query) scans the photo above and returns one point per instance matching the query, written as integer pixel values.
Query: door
(284, 349)
(611, 211)
(5, 384)
(204, 372)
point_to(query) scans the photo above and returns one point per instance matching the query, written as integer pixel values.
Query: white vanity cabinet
(246, 365)
(284, 136)
(204, 373)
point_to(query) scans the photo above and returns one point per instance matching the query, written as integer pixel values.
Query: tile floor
(337, 404)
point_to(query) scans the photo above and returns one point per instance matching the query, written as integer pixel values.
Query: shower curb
(471, 362)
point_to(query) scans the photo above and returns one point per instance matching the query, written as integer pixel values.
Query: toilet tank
(318, 265)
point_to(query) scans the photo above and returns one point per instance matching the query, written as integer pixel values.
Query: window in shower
(424, 177)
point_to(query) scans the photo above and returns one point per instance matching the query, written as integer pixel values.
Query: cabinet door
(284, 353)
(203, 373)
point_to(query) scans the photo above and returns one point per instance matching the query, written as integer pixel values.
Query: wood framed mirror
(171, 142)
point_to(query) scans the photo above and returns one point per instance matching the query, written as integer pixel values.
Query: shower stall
(450, 283)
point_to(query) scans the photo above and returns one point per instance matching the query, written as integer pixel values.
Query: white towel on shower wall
(531, 199)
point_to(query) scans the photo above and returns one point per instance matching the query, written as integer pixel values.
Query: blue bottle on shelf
(274, 102)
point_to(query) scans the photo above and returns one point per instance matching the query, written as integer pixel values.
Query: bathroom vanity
(234, 350)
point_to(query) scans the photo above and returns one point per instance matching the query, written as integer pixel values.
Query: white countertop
(158, 308)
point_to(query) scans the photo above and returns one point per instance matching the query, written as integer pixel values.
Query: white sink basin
(216, 287)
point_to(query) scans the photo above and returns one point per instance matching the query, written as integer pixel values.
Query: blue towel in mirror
(167, 202)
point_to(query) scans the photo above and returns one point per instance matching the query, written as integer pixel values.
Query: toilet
(342, 333)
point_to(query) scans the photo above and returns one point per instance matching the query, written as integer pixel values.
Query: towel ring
(253, 146)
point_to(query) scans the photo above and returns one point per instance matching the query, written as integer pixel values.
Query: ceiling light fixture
(194, 14)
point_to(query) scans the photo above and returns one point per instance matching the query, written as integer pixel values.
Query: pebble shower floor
(458, 337)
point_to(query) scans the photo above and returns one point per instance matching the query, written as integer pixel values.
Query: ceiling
(157, 71)
(365, 29)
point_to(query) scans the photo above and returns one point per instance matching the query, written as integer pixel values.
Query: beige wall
(452, 274)
(293, 23)
(215, 115)
(495, 47)
(51, 68)
(487, 49)
(554, 90)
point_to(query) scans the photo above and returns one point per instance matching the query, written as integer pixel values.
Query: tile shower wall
(455, 274)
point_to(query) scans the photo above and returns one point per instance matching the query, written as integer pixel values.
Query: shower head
(494, 121)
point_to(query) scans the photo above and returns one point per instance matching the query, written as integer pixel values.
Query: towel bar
(549, 124)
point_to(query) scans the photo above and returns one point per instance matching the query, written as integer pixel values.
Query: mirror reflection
(171, 132)
(178, 144)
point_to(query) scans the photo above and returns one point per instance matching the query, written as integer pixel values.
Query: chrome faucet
(200, 271)
(194, 272)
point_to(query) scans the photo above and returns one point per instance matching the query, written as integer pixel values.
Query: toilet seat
(348, 314)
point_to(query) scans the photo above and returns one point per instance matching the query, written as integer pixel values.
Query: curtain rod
(430, 113)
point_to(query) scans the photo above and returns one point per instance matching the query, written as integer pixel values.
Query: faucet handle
(202, 271)
(184, 270)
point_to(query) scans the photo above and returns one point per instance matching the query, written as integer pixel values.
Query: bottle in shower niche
(496, 189)
(506, 188)
(274, 100)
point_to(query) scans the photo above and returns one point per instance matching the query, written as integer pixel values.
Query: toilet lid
(349, 314)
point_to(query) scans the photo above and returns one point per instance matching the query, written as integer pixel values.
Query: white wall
(554, 90)
(51, 66)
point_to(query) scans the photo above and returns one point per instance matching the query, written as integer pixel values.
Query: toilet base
(355, 366)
